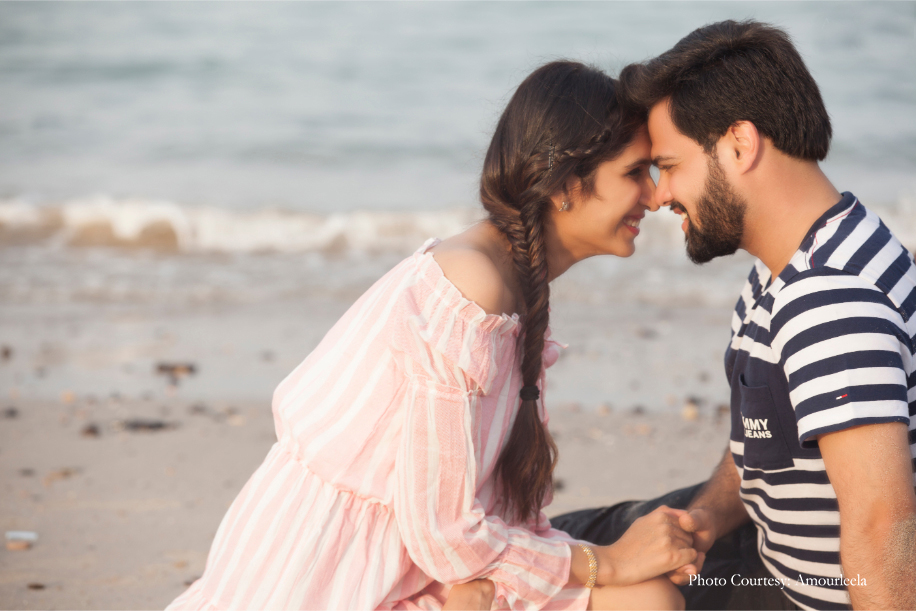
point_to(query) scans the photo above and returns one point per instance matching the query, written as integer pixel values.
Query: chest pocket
(764, 444)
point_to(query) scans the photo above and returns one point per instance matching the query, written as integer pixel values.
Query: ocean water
(352, 129)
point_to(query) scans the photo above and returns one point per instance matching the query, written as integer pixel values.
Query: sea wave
(169, 227)
(165, 226)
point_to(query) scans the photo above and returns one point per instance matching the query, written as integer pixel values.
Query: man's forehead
(667, 141)
(660, 124)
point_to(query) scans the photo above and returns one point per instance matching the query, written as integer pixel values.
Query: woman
(413, 452)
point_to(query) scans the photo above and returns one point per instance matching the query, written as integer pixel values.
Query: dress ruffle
(380, 488)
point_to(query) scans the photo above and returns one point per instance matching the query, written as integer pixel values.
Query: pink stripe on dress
(379, 492)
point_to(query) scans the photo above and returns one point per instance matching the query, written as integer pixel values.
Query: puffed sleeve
(445, 346)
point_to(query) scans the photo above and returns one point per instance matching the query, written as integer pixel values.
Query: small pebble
(690, 412)
(11, 412)
(175, 371)
(647, 333)
(90, 430)
(140, 425)
(36, 586)
(59, 474)
(20, 540)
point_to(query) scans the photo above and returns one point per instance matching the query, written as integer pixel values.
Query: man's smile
(679, 209)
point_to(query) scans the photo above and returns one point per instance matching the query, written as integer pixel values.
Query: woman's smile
(631, 222)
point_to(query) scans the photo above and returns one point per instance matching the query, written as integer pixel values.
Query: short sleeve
(842, 345)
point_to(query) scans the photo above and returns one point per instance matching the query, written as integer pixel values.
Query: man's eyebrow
(661, 159)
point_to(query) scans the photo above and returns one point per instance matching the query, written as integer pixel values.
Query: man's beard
(720, 211)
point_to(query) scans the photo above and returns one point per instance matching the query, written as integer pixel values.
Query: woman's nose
(648, 198)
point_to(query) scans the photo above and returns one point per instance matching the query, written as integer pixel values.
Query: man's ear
(741, 146)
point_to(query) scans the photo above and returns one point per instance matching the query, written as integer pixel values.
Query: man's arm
(715, 511)
(871, 470)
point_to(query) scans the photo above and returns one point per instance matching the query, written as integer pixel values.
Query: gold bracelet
(592, 566)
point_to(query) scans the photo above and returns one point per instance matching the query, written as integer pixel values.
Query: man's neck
(782, 207)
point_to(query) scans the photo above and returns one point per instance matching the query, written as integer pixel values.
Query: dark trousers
(733, 555)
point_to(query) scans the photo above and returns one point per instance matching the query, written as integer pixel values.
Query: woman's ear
(568, 195)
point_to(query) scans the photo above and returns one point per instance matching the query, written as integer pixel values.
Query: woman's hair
(562, 123)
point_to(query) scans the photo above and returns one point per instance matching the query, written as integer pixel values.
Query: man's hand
(698, 522)
(716, 511)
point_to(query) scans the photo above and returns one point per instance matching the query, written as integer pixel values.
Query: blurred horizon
(337, 107)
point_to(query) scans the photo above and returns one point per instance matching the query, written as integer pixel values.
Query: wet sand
(135, 399)
(125, 475)
(125, 518)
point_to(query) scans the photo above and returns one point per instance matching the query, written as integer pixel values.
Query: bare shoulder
(476, 276)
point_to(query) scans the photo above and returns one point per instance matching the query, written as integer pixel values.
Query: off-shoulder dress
(380, 488)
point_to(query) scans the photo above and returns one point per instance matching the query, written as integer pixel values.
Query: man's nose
(662, 196)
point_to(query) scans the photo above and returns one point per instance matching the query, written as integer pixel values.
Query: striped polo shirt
(829, 344)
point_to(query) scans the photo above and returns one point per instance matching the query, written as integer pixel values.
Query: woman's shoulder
(433, 324)
(474, 270)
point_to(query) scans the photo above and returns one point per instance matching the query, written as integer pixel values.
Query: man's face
(694, 185)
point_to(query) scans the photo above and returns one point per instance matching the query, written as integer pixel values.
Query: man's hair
(734, 71)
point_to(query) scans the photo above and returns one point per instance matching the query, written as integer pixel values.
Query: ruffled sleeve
(446, 345)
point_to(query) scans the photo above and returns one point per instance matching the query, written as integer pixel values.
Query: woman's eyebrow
(638, 163)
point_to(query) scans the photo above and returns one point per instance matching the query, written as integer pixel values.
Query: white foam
(141, 223)
(104, 221)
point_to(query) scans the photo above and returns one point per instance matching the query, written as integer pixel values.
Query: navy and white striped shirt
(829, 344)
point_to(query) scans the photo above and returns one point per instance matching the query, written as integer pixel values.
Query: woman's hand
(653, 545)
(477, 594)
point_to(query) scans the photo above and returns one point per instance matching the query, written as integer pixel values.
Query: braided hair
(562, 122)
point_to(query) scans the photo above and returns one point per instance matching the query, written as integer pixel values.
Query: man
(822, 360)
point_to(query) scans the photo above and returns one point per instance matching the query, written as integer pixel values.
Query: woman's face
(606, 222)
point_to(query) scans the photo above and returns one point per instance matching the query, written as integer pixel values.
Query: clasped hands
(666, 541)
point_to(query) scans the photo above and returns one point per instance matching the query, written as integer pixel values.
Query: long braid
(562, 122)
(530, 472)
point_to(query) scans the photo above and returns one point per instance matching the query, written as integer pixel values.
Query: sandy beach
(136, 389)
(191, 196)
(124, 471)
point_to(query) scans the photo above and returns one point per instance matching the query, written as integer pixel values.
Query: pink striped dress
(380, 488)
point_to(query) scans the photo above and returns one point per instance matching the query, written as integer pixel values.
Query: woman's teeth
(631, 222)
